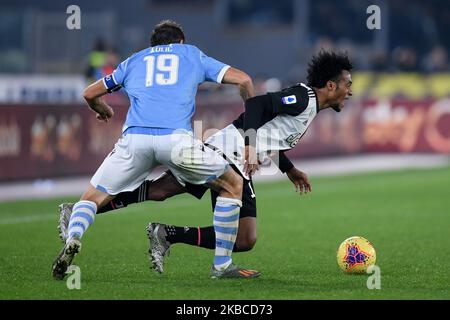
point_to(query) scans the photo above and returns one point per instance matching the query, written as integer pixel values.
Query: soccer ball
(355, 255)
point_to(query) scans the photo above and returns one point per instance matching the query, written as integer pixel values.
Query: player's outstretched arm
(300, 180)
(93, 96)
(245, 83)
(243, 80)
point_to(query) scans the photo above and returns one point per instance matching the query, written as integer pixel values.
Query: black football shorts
(248, 197)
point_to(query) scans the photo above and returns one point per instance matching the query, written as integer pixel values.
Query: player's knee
(246, 243)
(251, 241)
(158, 195)
(236, 186)
(98, 197)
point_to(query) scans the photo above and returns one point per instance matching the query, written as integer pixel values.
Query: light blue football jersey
(162, 82)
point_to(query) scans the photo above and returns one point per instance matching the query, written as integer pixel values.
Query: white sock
(83, 215)
(226, 223)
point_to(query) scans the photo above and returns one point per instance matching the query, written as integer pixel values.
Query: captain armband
(110, 83)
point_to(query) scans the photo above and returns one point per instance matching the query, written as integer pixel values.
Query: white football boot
(159, 246)
(65, 211)
(65, 258)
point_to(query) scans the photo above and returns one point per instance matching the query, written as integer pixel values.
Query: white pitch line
(182, 203)
(28, 219)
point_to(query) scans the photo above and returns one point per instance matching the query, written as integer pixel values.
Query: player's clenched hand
(105, 113)
(251, 164)
(300, 180)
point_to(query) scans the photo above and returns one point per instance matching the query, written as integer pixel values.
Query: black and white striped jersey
(294, 109)
(281, 119)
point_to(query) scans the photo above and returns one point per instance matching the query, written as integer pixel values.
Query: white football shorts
(135, 155)
(230, 142)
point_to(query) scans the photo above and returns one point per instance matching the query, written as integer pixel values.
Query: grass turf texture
(406, 215)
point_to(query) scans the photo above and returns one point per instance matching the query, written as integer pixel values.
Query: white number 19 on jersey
(166, 66)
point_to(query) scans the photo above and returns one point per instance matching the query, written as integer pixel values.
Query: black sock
(187, 235)
(195, 236)
(123, 199)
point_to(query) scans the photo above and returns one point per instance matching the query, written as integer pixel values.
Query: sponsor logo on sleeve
(289, 99)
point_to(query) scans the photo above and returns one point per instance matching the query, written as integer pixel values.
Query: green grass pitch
(406, 215)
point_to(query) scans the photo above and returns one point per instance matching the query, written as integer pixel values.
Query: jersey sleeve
(254, 109)
(292, 101)
(284, 163)
(115, 81)
(214, 69)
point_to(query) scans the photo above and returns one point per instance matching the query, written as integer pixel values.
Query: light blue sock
(83, 215)
(226, 223)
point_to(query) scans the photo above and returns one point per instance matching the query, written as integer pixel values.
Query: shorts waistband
(149, 131)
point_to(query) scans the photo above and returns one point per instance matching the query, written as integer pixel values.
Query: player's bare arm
(241, 79)
(245, 83)
(252, 120)
(251, 164)
(93, 96)
(300, 180)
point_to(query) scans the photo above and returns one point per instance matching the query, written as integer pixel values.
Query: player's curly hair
(326, 66)
(167, 32)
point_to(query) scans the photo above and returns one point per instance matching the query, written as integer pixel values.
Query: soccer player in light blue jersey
(161, 82)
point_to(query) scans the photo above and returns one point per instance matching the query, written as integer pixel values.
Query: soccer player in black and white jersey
(279, 120)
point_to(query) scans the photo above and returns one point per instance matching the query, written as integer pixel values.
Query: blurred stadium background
(399, 118)
(401, 81)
